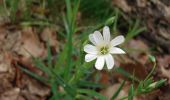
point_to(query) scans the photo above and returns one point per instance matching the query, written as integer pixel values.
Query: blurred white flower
(103, 48)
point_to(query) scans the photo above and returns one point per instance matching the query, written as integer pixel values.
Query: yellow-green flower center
(104, 50)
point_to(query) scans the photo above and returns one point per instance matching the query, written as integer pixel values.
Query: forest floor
(18, 41)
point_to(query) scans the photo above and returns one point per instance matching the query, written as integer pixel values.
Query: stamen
(104, 50)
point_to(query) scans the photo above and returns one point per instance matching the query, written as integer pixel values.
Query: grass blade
(13, 8)
(54, 91)
(131, 93)
(39, 64)
(92, 93)
(118, 90)
(34, 75)
(126, 74)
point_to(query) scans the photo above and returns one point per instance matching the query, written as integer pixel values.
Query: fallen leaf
(104, 78)
(136, 69)
(33, 89)
(49, 35)
(138, 50)
(7, 71)
(31, 45)
(109, 92)
(164, 32)
(165, 73)
(123, 5)
(36, 88)
(5, 62)
(11, 94)
(163, 65)
(28, 96)
(163, 61)
(165, 10)
(9, 40)
(141, 3)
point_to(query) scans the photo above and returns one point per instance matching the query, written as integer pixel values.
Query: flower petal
(98, 37)
(90, 57)
(100, 63)
(106, 34)
(90, 49)
(109, 61)
(115, 50)
(117, 40)
(91, 38)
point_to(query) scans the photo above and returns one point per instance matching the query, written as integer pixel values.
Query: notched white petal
(91, 38)
(90, 57)
(116, 50)
(109, 61)
(106, 34)
(90, 49)
(98, 37)
(117, 40)
(100, 63)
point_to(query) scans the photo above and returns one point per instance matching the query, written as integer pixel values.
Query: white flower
(103, 48)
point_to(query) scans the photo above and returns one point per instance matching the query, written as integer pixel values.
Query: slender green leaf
(34, 75)
(70, 90)
(69, 11)
(134, 31)
(13, 8)
(126, 74)
(39, 64)
(55, 92)
(118, 90)
(88, 84)
(131, 93)
(110, 21)
(83, 97)
(92, 93)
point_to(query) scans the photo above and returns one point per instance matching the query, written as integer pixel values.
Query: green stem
(80, 72)
(69, 54)
(68, 26)
(151, 72)
(71, 26)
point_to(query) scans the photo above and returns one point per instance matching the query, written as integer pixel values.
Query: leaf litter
(15, 47)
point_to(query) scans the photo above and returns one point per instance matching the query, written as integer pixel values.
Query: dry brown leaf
(163, 64)
(166, 73)
(136, 69)
(36, 88)
(123, 5)
(164, 32)
(50, 35)
(2, 34)
(108, 92)
(7, 71)
(28, 96)
(33, 89)
(163, 8)
(104, 78)
(139, 52)
(9, 40)
(164, 96)
(163, 61)
(141, 3)
(11, 94)
(5, 62)
(112, 89)
(30, 44)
